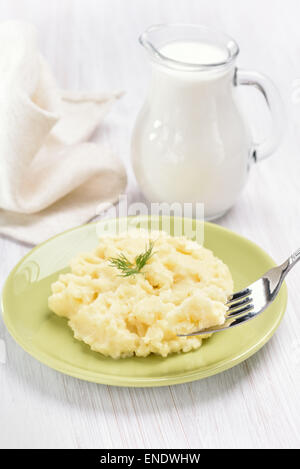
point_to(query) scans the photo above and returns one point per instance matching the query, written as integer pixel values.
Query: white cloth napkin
(51, 179)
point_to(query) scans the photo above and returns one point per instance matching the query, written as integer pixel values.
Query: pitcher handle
(273, 100)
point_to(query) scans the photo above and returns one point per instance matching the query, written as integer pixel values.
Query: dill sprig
(128, 268)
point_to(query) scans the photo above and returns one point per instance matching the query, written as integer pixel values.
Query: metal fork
(248, 303)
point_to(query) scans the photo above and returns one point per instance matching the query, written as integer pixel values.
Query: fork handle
(293, 259)
(276, 275)
(289, 263)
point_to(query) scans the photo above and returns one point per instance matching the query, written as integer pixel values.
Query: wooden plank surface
(92, 45)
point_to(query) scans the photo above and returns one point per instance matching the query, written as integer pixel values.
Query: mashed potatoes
(182, 288)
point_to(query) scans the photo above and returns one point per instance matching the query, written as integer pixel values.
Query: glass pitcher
(191, 142)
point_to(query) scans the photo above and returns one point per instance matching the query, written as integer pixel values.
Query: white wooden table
(92, 44)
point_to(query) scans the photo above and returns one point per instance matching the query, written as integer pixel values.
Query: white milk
(194, 52)
(190, 143)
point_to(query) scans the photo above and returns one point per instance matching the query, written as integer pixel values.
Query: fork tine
(237, 304)
(240, 311)
(239, 295)
(244, 318)
(227, 325)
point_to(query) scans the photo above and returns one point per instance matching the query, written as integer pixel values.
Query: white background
(92, 45)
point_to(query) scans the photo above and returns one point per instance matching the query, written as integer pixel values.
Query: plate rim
(112, 380)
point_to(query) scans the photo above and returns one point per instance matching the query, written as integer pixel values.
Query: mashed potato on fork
(182, 288)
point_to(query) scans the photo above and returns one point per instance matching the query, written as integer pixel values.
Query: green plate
(49, 339)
